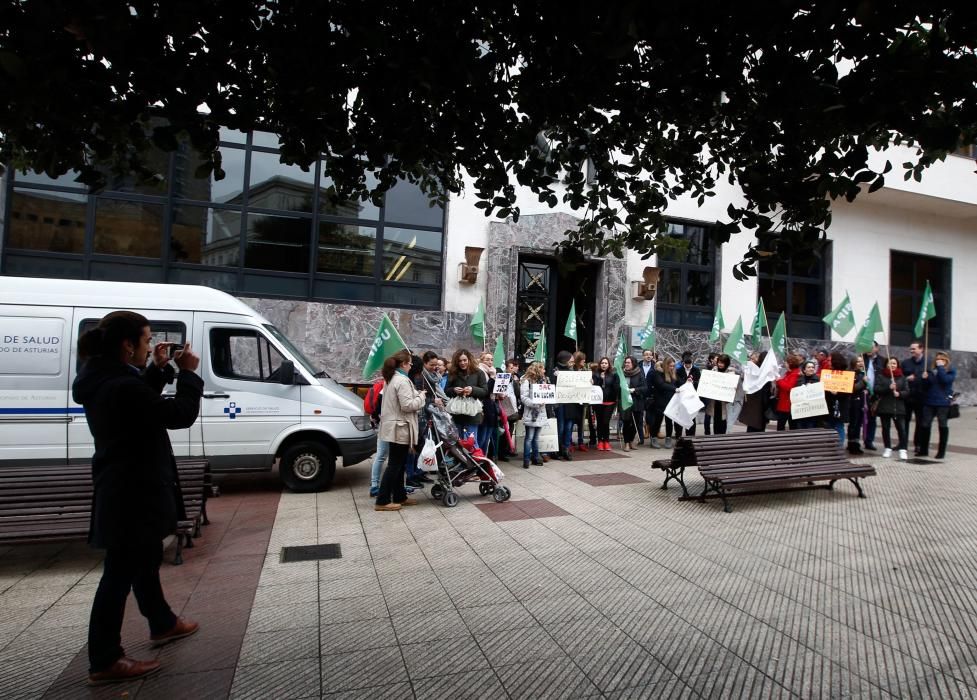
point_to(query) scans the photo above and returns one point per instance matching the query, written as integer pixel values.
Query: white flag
(684, 405)
(754, 377)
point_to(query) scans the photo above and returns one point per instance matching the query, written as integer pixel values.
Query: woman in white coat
(398, 427)
(533, 414)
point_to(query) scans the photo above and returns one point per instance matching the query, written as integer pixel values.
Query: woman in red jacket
(784, 385)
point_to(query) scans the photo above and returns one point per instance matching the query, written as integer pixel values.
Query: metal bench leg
(680, 478)
(178, 557)
(204, 520)
(861, 493)
(727, 508)
(189, 541)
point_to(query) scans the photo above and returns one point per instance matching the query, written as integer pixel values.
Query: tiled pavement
(610, 588)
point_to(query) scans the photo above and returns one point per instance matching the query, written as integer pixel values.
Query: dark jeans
(656, 426)
(604, 421)
(630, 429)
(392, 481)
(887, 421)
(690, 431)
(855, 425)
(941, 413)
(870, 430)
(718, 425)
(564, 428)
(751, 429)
(784, 420)
(530, 445)
(133, 567)
(914, 409)
(805, 423)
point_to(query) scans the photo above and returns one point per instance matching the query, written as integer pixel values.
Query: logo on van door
(232, 409)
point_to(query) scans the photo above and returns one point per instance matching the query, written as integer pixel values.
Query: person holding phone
(137, 500)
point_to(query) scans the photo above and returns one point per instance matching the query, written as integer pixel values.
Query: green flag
(541, 346)
(865, 339)
(760, 322)
(626, 400)
(735, 345)
(717, 325)
(478, 323)
(778, 339)
(571, 328)
(926, 311)
(621, 352)
(647, 333)
(387, 342)
(842, 318)
(498, 357)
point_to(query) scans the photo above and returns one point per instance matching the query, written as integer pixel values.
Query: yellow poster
(838, 381)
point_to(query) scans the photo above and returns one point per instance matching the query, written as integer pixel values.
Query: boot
(854, 448)
(655, 445)
(567, 456)
(944, 439)
(923, 450)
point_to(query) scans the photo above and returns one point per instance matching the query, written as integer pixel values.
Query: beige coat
(398, 412)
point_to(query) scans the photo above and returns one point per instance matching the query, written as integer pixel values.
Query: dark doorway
(547, 288)
(908, 275)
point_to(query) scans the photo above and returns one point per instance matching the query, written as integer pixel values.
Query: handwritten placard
(596, 394)
(719, 386)
(838, 381)
(547, 440)
(573, 394)
(502, 382)
(577, 379)
(807, 401)
(544, 393)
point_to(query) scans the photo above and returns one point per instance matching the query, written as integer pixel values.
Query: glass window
(277, 243)
(409, 296)
(344, 290)
(406, 204)
(407, 250)
(205, 236)
(232, 135)
(274, 185)
(794, 286)
(276, 285)
(37, 266)
(330, 206)
(244, 354)
(46, 220)
(346, 249)
(225, 281)
(686, 286)
(124, 272)
(908, 275)
(230, 189)
(67, 180)
(265, 139)
(128, 228)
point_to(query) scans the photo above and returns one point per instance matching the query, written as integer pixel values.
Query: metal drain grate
(920, 460)
(311, 552)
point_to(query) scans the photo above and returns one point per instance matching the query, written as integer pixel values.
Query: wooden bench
(54, 501)
(752, 463)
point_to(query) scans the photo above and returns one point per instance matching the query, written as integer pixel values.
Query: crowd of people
(905, 394)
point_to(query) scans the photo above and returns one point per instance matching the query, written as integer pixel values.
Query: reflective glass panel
(329, 205)
(48, 221)
(274, 185)
(265, 139)
(346, 249)
(205, 236)
(411, 256)
(128, 228)
(406, 204)
(277, 243)
(66, 180)
(230, 189)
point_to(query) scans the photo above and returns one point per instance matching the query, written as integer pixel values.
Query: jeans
(690, 431)
(134, 567)
(657, 424)
(604, 421)
(870, 431)
(838, 425)
(784, 420)
(392, 482)
(941, 413)
(913, 408)
(383, 449)
(530, 445)
(630, 429)
(887, 421)
(564, 428)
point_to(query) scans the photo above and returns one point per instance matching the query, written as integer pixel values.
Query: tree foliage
(661, 100)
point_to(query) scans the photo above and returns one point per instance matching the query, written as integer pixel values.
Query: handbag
(465, 406)
(954, 411)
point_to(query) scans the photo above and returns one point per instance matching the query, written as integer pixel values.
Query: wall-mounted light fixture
(468, 270)
(645, 289)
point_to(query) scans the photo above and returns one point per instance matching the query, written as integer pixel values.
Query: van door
(167, 327)
(245, 407)
(34, 411)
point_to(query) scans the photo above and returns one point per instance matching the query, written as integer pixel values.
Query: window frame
(790, 279)
(904, 334)
(683, 268)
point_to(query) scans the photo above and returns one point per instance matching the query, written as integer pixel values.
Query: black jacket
(917, 387)
(662, 390)
(637, 382)
(611, 385)
(477, 381)
(137, 495)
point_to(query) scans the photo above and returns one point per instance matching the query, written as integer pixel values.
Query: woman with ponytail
(137, 499)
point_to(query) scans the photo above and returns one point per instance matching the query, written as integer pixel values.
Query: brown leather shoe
(389, 506)
(125, 669)
(182, 628)
(408, 502)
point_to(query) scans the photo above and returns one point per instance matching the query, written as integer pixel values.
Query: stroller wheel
(437, 491)
(450, 499)
(485, 488)
(502, 493)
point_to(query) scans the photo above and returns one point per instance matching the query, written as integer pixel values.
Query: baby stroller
(460, 462)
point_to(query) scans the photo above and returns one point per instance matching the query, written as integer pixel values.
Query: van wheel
(307, 467)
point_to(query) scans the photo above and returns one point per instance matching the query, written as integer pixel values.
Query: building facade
(324, 270)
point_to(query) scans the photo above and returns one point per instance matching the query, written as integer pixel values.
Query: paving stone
(356, 636)
(497, 617)
(362, 669)
(468, 685)
(515, 645)
(556, 677)
(436, 658)
(429, 627)
(283, 679)
(268, 647)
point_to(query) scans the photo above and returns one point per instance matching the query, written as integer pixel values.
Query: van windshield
(295, 352)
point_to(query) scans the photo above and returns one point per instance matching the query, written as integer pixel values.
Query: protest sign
(807, 401)
(572, 394)
(684, 405)
(569, 378)
(838, 381)
(596, 394)
(720, 386)
(547, 439)
(544, 393)
(502, 382)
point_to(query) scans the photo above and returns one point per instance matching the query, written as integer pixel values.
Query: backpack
(373, 400)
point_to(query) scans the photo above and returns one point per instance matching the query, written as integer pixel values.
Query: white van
(263, 400)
